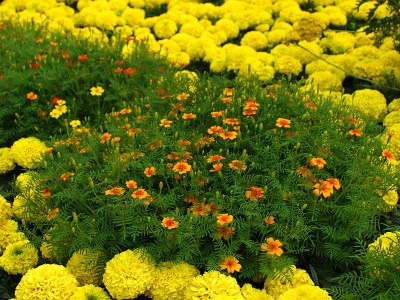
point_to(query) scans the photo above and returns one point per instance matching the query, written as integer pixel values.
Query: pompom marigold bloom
(318, 161)
(251, 293)
(89, 292)
(223, 219)
(305, 292)
(83, 265)
(181, 167)
(129, 274)
(281, 122)
(170, 223)
(28, 152)
(19, 257)
(48, 278)
(272, 247)
(5, 209)
(96, 91)
(6, 160)
(231, 264)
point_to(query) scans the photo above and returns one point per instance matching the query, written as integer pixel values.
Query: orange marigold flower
(53, 213)
(105, 137)
(118, 70)
(272, 247)
(165, 123)
(231, 135)
(324, 188)
(231, 121)
(238, 165)
(227, 99)
(129, 71)
(225, 232)
(214, 158)
(125, 111)
(215, 129)
(83, 57)
(310, 104)
(223, 219)
(281, 122)
(199, 209)
(355, 132)
(213, 207)
(335, 182)
(228, 91)
(269, 220)
(140, 194)
(183, 96)
(65, 176)
(170, 223)
(386, 153)
(216, 114)
(231, 264)
(254, 193)
(304, 172)
(116, 140)
(186, 116)
(317, 161)
(46, 193)
(131, 184)
(31, 96)
(150, 171)
(118, 191)
(217, 167)
(181, 167)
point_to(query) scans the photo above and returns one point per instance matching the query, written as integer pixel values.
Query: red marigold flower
(188, 116)
(129, 71)
(223, 219)
(150, 171)
(254, 193)
(389, 155)
(317, 161)
(272, 247)
(65, 176)
(46, 193)
(35, 65)
(131, 184)
(281, 122)
(140, 194)
(170, 223)
(118, 191)
(181, 167)
(83, 57)
(355, 132)
(53, 213)
(231, 264)
(31, 96)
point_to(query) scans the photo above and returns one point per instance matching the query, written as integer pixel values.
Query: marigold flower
(118, 70)
(186, 116)
(182, 96)
(214, 158)
(53, 213)
(225, 232)
(231, 121)
(199, 209)
(215, 129)
(324, 188)
(19, 257)
(96, 91)
(46, 193)
(223, 219)
(317, 161)
(181, 167)
(116, 140)
(83, 57)
(170, 223)
(105, 137)
(231, 264)
(31, 96)
(228, 92)
(125, 111)
(165, 123)
(131, 184)
(281, 122)
(335, 182)
(269, 220)
(140, 194)
(231, 135)
(216, 114)
(217, 167)
(254, 193)
(118, 191)
(389, 155)
(355, 132)
(150, 171)
(238, 165)
(272, 247)
(227, 99)
(129, 71)
(75, 123)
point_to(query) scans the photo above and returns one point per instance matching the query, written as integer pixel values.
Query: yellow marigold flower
(9, 233)
(288, 65)
(88, 292)
(212, 284)
(251, 293)
(84, 266)
(305, 292)
(19, 257)
(48, 278)
(371, 102)
(75, 123)
(172, 280)
(165, 28)
(96, 91)
(298, 277)
(28, 152)
(6, 160)
(5, 209)
(129, 274)
(255, 40)
(229, 27)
